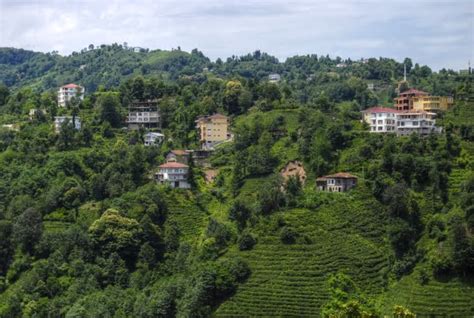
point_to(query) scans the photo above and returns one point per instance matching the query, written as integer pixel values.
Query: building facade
(422, 123)
(174, 174)
(274, 78)
(381, 119)
(143, 114)
(153, 138)
(432, 103)
(212, 130)
(339, 182)
(404, 101)
(75, 121)
(67, 92)
(388, 120)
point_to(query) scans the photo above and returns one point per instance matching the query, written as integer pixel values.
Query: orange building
(404, 101)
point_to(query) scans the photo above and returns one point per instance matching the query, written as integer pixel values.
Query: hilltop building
(404, 101)
(75, 121)
(174, 174)
(178, 155)
(212, 130)
(339, 182)
(67, 92)
(432, 103)
(420, 122)
(381, 119)
(389, 120)
(274, 78)
(414, 99)
(153, 138)
(143, 114)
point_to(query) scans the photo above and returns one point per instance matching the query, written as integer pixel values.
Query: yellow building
(212, 130)
(432, 103)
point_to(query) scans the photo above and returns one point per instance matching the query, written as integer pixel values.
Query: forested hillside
(85, 231)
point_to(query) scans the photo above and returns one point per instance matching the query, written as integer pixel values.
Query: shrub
(288, 235)
(246, 242)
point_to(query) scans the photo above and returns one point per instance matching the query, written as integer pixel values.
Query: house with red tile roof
(338, 182)
(174, 174)
(381, 119)
(69, 91)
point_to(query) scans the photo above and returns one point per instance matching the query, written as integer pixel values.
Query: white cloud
(433, 32)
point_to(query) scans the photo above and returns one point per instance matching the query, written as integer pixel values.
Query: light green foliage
(247, 244)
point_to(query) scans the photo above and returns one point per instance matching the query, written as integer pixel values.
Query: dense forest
(85, 231)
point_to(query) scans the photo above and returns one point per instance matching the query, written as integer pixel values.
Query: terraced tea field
(290, 280)
(452, 298)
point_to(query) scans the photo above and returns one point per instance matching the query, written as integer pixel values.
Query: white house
(174, 174)
(143, 114)
(153, 138)
(420, 122)
(67, 92)
(274, 78)
(382, 120)
(60, 120)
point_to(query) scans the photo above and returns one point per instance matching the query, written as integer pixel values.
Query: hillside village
(245, 187)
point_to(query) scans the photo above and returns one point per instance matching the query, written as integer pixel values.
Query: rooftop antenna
(404, 72)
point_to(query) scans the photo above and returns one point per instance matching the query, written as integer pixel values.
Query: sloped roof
(173, 165)
(71, 86)
(380, 109)
(180, 152)
(339, 175)
(413, 91)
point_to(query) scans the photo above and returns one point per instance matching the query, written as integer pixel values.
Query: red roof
(380, 109)
(71, 86)
(173, 165)
(339, 175)
(413, 91)
(180, 152)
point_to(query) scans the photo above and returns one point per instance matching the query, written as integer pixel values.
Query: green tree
(108, 105)
(27, 229)
(115, 233)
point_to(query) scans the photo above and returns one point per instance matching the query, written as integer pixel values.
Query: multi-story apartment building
(382, 120)
(404, 101)
(143, 114)
(212, 130)
(75, 121)
(420, 122)
(432, 103)
(67, 92)
(174, 174)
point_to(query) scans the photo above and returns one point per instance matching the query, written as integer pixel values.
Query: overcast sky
(439, 33)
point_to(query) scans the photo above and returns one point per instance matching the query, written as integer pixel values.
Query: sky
(438, 33)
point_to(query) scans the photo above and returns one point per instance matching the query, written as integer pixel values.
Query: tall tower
(404, 72)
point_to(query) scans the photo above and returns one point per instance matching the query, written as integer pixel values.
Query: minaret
(404, 72)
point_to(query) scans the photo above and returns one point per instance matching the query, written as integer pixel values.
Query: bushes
(288, 235)
(246, 241)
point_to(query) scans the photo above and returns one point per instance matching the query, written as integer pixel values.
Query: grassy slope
(290, 280)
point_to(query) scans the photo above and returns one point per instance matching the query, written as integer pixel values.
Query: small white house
(274, 78)
(72, 120)
(153, 138)
(174, 174)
